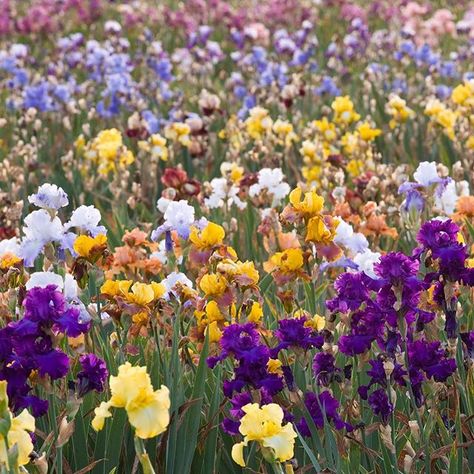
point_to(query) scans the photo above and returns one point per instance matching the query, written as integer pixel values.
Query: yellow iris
(344, 110)
(139, 293)
(288, 261)
(209, 237)
(18, 433)
(115, 287)
(367, 133)
(258, 122)
(462, 95)
(147, 409)
(213, 284)
(311, 204)
(319, 231)
(179, 132)
(256, 312)
(84, 245)
(264, 425)
(7, 260)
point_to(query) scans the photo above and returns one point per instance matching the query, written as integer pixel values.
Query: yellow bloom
(461, 94)
(434, 107)
(317, 322)
(209, 237)
(319, 232)
(264, 425)
(447, 119)
(140, 318)
(141, 294)
(79, 143)
(116, 287)
(248, 270)
(326, 128)
(213, 284)
(158, 289)
(232, 170)
(311, 204)
(126, 158)
(18, 432)
(312, 174)
(367, 133)
(350, 142)
(244, 273)
(258, 122)
(101, 413)
(442, 115)
(212, 313)
(236, 173)
(470, 143)
(344, 110)
(179, 132)
(355, 167)
(107, 144)
(256, 313)
(288, 261)
(214, 332)
(7, 260)
(274, 366)
(308, 149)
(147, 409)
(158, 147)
(398, 110)
(83, 245)
(107, 149)
(284, 130)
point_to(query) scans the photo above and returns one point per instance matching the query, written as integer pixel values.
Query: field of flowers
(236, 236)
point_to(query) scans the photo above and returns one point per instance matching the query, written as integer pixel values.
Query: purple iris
(380, 404)
(321, 407)
(28, 345)
(93, 375)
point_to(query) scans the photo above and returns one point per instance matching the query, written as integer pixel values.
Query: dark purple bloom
(431, 358)
(238, 401)
(44, 304)
(440, 239)
(37, 406)
(324, 368)
(70, 323)
(377, 373)
(351, 293)
(239, 339)
(436, 234)
(54, 363)
(442, 370)
(322, 407)
(354, 344)
(28, 345)
(380, 404)
(93, 375)
(468, 339)
(231, 427)
(242, 341)
(288, 376)
(293, 333)
(451, 324)
(396, 267)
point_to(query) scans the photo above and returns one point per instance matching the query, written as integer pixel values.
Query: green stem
(143, 456)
